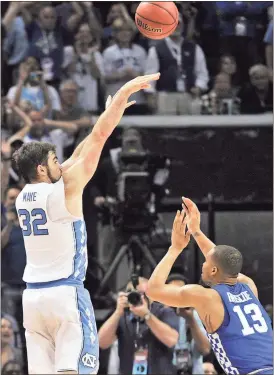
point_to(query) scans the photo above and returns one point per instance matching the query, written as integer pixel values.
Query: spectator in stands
(184, 74)
(209, 368)
(222, 99)
(10, 356)
(257, 96)
(5, 165)
(15, 45)
(268, 39)
(60, 133)
(124, 61)
(46, 38)
(150, 329)
(13, 252)
(32, 88)
(228, 65)
(73, 13)
(193, 343)
(84, 64)
(9, 172)
(7, 23)
(189, 13)
(71, 111)
(116, 11)
(238, 21)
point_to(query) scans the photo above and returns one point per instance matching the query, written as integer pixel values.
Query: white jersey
(55, 241)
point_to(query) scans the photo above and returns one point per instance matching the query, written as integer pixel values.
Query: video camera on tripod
(137, 191)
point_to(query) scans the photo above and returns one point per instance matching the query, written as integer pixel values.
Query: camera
(137, 193)
(134, 297)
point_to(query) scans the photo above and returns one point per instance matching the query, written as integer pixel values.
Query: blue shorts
(61, 332)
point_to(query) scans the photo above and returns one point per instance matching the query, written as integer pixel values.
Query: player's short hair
(29, 156)
(229, 259)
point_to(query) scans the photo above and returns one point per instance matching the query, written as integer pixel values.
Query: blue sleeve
(268, 38)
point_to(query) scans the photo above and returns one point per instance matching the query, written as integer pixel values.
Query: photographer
(193, 343)
(32, 87)
(147, 333)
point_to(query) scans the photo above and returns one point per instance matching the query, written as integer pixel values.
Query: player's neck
(227, 281)
(41, 179)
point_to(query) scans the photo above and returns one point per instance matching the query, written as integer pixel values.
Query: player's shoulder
(202, 294)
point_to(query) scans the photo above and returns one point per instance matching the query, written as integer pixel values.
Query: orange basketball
(157, 19)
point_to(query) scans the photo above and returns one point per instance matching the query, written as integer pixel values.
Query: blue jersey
(244, 342)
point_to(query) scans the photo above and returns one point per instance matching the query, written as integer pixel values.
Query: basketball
(156, 20)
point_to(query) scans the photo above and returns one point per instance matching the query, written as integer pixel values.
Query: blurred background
(203, 131)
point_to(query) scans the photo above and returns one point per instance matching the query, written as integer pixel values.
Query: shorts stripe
(88, 360)
(83, 336)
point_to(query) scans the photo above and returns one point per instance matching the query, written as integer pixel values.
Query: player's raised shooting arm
(173, 295)
(176, 296)
(90, 151)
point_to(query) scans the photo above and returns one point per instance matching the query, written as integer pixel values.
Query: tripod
(136, 247)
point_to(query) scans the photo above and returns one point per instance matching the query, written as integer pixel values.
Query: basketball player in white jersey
(60, 326)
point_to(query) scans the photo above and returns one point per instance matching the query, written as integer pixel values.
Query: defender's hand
(179, 237)
(193, 216)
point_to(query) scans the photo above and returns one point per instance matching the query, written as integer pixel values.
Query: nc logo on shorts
(89, 360)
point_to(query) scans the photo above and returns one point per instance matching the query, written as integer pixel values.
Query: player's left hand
(140, 310)
(193, 219)
(179, 237)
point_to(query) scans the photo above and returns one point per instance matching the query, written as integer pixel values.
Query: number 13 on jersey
(254, 311)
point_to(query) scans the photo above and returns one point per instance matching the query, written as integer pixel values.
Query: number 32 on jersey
(32, 222)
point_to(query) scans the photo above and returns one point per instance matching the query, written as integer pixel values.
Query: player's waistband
(51, 284)
(260, 370)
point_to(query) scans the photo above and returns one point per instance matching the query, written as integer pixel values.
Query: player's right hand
(122, 303)
(139, 83)
(193, 216)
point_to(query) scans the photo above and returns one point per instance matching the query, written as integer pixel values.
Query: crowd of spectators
(60, 60)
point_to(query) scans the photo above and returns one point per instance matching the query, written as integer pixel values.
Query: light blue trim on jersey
(80, 243)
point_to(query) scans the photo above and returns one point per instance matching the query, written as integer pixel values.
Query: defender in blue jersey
(59, 320)
(238, 327)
